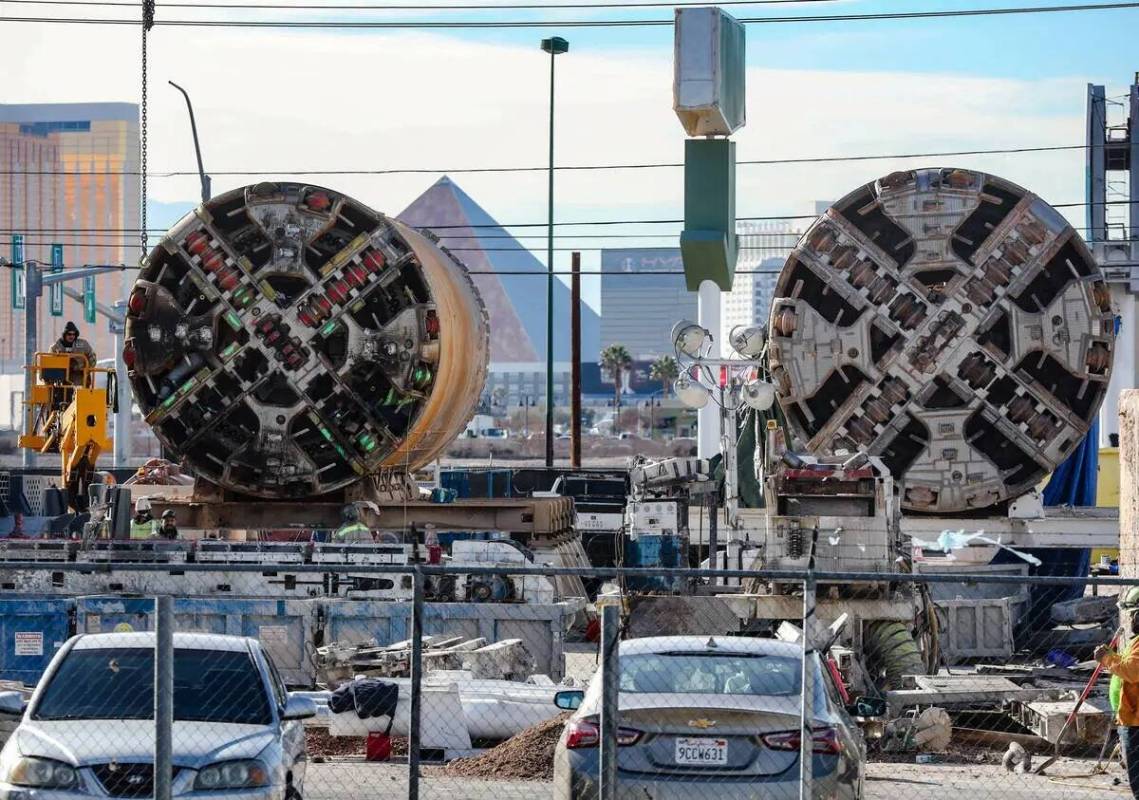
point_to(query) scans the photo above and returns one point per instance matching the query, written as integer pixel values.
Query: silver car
(714, 718)
(88, 730)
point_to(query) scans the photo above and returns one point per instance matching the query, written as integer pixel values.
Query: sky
(276, 102)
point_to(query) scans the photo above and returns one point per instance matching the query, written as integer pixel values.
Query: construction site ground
(343, 780)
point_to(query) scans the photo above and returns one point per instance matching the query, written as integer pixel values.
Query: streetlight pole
(203, 178)
(554, 46)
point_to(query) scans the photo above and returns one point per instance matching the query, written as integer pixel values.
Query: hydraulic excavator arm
(67, 414)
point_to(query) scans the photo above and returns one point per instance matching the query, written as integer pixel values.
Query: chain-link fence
(337, 681)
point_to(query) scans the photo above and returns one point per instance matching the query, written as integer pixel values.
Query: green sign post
(57, 288)
(89, 299)
(19, 296)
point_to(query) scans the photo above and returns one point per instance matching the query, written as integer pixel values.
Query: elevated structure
(1113, 228)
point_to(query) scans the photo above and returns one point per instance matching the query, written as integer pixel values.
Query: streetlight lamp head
(759, 395)
(747, 340)
(691, 393)
(555, 45)
(690, 338)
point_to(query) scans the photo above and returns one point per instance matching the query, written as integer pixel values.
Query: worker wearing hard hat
(1123, 664)
(143, 525)
(168, 528)
(70, 344)
(351, 529)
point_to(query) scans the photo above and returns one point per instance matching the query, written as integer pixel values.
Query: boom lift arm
(67, 414)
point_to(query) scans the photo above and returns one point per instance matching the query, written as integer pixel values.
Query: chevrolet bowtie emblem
(703, 724)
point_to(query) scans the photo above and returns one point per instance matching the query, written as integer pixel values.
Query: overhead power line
(423, 7)
(524, 272)
(579, 23)
(569, 167)
(568, 223)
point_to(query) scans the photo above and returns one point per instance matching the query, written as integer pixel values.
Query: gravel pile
(528, 755)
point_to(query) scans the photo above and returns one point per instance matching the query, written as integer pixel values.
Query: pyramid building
(513, 287)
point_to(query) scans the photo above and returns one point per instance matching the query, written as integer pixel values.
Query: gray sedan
(714, 718)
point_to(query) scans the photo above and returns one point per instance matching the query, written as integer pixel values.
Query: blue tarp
(1072, 484)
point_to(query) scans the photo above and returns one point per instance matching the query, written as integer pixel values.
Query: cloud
(310, 100)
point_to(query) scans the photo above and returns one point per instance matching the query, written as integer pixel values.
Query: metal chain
(147, 24)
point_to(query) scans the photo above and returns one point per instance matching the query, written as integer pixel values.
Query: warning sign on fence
(29, 643)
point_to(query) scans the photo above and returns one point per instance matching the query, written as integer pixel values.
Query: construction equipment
(285, 341)
(953, 324)
(939, 341)
(67, 415)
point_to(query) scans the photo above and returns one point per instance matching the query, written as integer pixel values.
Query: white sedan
(88, 729)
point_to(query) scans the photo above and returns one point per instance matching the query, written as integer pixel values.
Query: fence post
(163, 695)
(713, 536)
(610, 677)
(413, 726)
(806, 709)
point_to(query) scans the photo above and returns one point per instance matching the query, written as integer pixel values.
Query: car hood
(196, 744)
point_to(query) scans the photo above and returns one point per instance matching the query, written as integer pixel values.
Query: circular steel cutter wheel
(286, 340)
(950, 322)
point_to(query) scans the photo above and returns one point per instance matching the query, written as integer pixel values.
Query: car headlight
(232, 775)
(42, 773)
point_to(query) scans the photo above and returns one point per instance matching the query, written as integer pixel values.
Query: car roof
(146, 639)
(705, 644)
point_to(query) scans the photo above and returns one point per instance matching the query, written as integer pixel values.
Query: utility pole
(575, 362)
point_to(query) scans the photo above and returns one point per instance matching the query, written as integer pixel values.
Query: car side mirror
(569, 700)
(868, 707)
(12, 704)
(298, 707)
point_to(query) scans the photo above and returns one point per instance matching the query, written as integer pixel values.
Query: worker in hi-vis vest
(351, 530)
(143, 525)
(1123, 664)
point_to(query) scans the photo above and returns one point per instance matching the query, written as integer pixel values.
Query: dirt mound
(528, 755)
(320, 745)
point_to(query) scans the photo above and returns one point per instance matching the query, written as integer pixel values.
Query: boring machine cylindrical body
(285, 340)
(953, 324)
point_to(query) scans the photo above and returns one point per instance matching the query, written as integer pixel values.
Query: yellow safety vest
(143, 530)
(345, 531)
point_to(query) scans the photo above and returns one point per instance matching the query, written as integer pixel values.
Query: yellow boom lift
(67, 414)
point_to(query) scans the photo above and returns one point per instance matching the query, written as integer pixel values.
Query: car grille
(127, 780)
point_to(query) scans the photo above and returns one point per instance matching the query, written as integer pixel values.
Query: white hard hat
(142, 504)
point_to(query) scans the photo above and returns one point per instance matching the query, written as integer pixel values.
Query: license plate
(702, 752)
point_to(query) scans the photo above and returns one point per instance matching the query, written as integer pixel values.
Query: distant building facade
(69, 176)
(640, 307)
(764, 247)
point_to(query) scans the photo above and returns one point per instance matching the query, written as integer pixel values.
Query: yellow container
(1107, 493)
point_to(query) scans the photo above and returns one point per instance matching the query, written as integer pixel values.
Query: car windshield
(118, 683)
(711, 673)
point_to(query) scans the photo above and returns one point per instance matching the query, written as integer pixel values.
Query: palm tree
(616, 359)
(666, 370)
